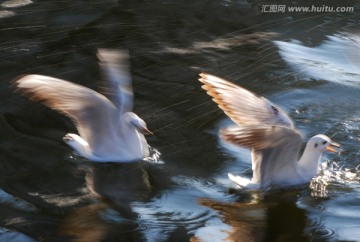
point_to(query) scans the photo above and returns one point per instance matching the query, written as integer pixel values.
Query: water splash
(154, 156)
(333, 174)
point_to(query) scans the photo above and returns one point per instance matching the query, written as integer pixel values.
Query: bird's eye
(324, 142)
(316, 145)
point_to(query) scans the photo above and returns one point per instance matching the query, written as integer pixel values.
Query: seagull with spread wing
(108, 129)
(270, 133)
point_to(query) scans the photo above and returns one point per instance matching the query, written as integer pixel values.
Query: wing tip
(207, 83)
(204, 77)
(16, 82)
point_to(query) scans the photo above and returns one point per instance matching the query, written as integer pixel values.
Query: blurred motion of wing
(336, 60)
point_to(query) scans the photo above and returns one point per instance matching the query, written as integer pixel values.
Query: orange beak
(333, 147)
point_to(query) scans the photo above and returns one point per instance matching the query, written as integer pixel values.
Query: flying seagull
(270, 133)
(108, 129)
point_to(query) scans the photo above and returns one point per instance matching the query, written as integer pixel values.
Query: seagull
(108, 129)
(271, 135)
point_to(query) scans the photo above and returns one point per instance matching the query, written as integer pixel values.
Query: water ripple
(6, 198)
(323, 233)
(178, 208)
(11, 236)
(335, 60)
(16, 3)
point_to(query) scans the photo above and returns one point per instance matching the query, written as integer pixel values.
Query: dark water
(307, 63)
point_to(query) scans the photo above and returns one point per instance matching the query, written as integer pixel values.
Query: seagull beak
(333, 147)
(144, 130)
(141, 127)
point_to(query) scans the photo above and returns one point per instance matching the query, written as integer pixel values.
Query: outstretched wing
(117, 85)
(88, 109)
(275, 150)
(241, 105)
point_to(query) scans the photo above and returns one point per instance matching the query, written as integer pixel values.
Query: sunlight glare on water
(6, 198)
(15, 3)
(155, 156)
(11, 236)
(180, 208)
(336, 60)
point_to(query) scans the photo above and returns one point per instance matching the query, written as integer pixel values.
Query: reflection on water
(5, 7)
(336, 60)
(177, 210)
(12, 236)
(114, 188)
(120, 184)
(6, 198)
(15, 3)
(262, 218)
(95, 222)
(247, 222)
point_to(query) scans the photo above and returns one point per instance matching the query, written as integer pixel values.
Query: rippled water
(335, 60)
(308, 63)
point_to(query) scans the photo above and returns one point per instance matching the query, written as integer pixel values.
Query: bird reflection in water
(114, 186)
(262, 217)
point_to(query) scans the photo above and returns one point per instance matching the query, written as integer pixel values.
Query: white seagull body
(270, 133)
(108, 129)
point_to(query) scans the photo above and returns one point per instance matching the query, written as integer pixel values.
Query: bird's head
(323, 143)
(133, 120)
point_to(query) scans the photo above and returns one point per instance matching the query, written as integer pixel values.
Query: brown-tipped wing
(88, 109)
(117, 84)
(241, 105)
(275, 150)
